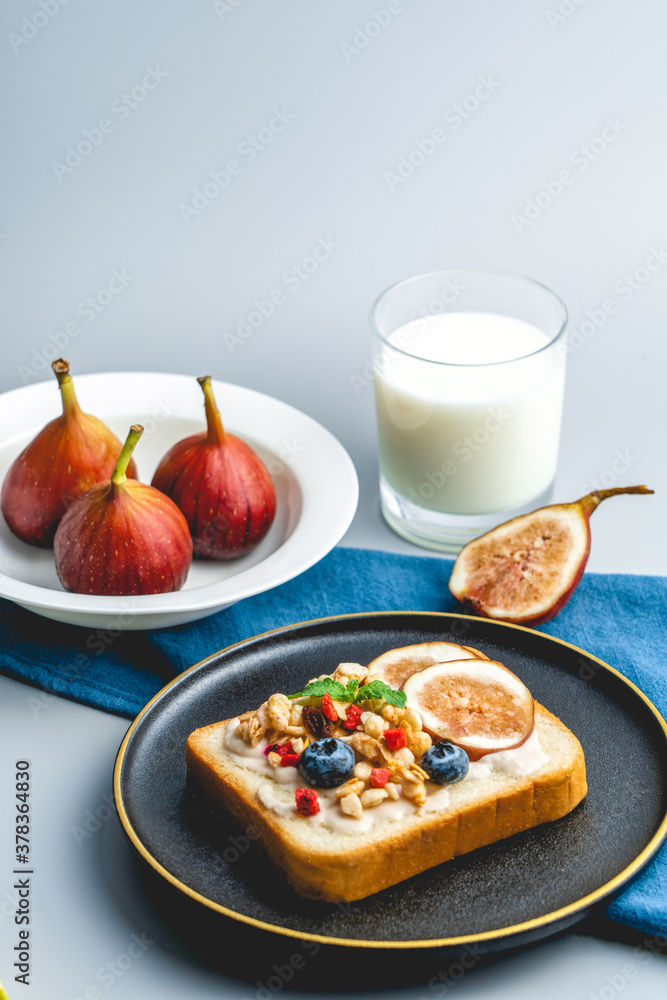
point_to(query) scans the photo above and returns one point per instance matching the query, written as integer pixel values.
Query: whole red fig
(123, 537)
(69, 455)
(221, 485)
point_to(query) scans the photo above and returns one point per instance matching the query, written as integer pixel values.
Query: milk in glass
(469, 409)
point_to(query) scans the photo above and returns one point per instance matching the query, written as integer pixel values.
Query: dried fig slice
(478, 704)
(395, 666)
(525, 570)
(477, 653)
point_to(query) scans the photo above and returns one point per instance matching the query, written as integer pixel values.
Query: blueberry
(327, 763)
(445, 763)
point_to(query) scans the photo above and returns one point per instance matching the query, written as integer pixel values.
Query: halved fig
(525, 570)
(478, 704)
(396, 665)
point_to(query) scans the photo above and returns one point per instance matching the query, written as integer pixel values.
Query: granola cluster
(388, 741)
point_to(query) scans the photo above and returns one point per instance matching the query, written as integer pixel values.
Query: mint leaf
(318, 688)
(398, 698)
(372, 691)
(352, 692)
(352, 686)
(378, 689)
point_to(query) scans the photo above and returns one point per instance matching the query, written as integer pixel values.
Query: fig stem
(216, 432)
(589, 503)
(61, 370)
(119, 477)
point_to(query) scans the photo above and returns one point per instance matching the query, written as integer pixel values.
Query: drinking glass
(469, 370)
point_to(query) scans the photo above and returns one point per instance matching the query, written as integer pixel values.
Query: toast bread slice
(321, 863)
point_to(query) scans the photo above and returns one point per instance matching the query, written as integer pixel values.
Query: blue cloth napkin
(620, 618)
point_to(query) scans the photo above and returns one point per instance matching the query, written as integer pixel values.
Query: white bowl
(316, 486)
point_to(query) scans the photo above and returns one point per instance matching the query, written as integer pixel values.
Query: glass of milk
(469, 371)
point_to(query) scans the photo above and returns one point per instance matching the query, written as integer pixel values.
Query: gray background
(556, 82)
(556, 79)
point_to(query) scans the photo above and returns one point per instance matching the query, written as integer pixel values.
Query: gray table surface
(345, 90)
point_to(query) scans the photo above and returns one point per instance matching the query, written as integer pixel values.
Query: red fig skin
(69, 455)
(123, 538)
(222, 486)
(584, 508)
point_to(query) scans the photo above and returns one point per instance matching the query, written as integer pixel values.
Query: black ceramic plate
(511, 892)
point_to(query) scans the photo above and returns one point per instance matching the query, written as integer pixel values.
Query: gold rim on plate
(526, 925)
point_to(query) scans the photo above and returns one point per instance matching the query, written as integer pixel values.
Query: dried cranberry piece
(328, 708)
(379, 777)
(353, 717)
(395, 738)
(306, 801)
(280, 748)
(289, 760)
